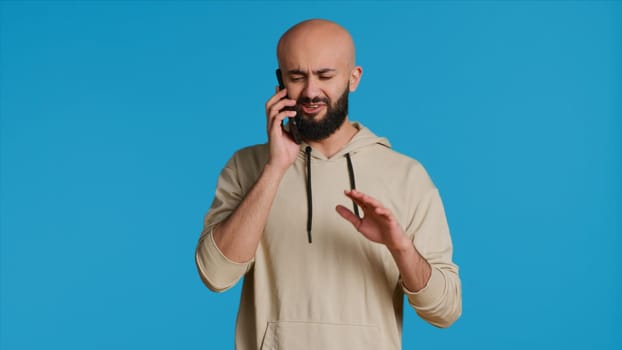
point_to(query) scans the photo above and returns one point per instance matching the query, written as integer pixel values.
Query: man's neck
(335, 142)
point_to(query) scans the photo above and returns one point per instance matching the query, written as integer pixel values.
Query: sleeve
(440, 301)
(216, 270)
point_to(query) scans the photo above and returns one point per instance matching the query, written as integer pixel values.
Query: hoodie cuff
(219, 272)
(429, 294)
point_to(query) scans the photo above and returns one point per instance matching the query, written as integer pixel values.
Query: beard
(317, 130)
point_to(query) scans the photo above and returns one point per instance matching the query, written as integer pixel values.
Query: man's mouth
(312, 108)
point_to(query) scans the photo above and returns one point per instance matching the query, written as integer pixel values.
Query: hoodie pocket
(319, 336)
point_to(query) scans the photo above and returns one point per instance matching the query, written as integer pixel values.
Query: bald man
(331, 233)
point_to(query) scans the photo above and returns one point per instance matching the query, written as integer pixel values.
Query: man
(326, 268)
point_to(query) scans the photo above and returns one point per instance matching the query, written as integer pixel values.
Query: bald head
(325, 40)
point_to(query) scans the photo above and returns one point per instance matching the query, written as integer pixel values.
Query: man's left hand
(377, 224)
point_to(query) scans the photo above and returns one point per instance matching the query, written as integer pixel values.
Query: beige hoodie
(341, 291)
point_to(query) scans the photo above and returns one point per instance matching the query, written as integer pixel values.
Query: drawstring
(309, 192)
(309, 196)
(352, 183)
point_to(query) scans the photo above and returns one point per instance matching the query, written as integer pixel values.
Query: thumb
(349, 215)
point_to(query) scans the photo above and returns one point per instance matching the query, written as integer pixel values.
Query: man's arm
(238, 236)
(431, 285)
(227, 248)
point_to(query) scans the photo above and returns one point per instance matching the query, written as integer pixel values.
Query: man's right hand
(283, 149)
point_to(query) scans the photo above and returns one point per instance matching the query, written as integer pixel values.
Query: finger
(275, 124)
(356, 199)
(280, 116)
(280, 105)
(384, 212)
(280, 94)
(363, 200)
(277, 113)
(369, 200)
(275, 119)
(349, 215)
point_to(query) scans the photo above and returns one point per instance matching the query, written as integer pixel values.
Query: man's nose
(311, 88)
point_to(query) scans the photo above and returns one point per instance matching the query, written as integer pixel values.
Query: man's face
(321, 100)
(318, 74)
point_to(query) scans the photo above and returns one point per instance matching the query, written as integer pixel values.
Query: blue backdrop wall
(116, 118)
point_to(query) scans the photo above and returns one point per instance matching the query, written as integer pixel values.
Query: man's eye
(294, 79)
(325, 77)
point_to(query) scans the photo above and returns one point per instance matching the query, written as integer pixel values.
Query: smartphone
(293, 121)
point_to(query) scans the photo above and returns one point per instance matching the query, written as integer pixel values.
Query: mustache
(317, 99)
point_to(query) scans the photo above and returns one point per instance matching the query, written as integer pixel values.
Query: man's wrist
(403, 246)
(273, 170)
(414, 268)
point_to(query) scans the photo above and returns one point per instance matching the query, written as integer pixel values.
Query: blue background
(117, 118)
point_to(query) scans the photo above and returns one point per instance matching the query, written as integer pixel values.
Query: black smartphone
(293, 121)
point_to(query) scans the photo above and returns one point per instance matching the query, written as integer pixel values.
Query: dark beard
(312, 130)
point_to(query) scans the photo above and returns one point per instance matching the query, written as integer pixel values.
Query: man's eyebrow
(316, 72)
(296, 72)
(324, 71)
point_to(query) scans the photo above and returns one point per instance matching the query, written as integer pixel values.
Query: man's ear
(355, 77)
